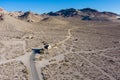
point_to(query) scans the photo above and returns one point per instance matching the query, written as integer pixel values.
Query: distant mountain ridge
(84, 14)
(72, 12)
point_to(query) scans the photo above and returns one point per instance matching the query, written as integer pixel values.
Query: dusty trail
(92, 64)
(67, 38)
(102, 50)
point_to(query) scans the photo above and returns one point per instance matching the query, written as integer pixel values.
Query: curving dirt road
(67, 38)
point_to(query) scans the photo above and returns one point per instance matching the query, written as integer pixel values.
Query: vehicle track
(69, 36)
(98, 68)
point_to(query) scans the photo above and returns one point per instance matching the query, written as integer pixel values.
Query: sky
(43, 6)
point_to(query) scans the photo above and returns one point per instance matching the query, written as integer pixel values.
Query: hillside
(30, 17)
(53, 20)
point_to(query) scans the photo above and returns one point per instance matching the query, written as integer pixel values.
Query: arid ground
(80, 50)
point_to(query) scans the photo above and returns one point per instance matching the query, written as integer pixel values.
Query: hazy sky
(41, 6)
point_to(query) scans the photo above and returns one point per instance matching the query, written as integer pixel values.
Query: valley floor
(91, 53)
(84, 51)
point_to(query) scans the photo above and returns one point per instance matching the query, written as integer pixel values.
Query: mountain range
(82, 14)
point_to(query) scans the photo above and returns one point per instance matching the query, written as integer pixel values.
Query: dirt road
(67, 38)
(33, 67)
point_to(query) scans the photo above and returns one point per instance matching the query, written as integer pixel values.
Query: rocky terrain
(85, 45)
(11, 49)
(90, 54)
(13, 71)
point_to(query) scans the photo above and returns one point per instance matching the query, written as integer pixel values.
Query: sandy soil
(14, 70)
(80, 50)
(92, 53)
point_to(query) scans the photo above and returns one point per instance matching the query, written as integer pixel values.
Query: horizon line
(56, 10)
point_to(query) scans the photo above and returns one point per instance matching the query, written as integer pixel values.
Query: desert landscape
(82, 45)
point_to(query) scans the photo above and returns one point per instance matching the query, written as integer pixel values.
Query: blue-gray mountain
(84, 14)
